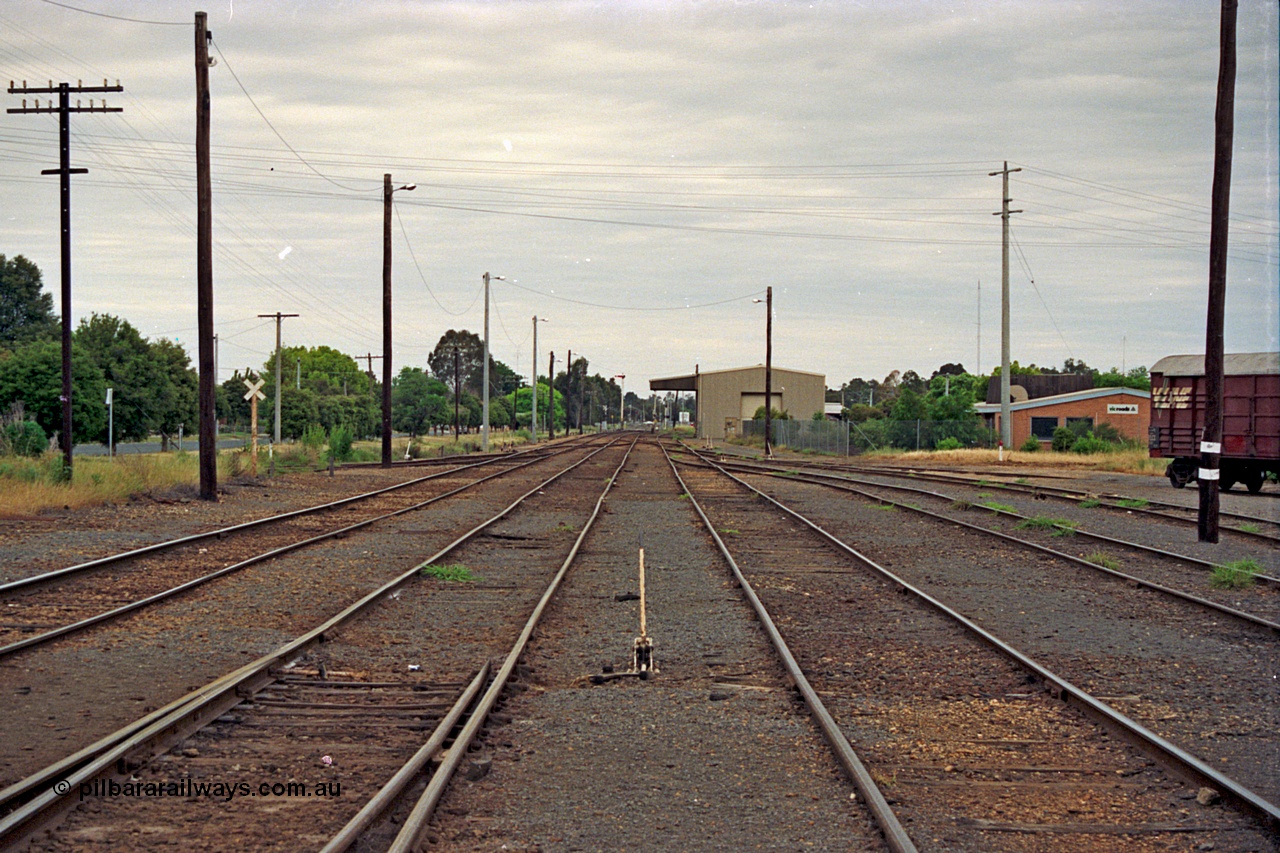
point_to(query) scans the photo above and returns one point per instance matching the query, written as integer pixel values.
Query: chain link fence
(846, 437)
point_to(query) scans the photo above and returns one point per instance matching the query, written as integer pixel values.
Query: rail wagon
(1250, 417)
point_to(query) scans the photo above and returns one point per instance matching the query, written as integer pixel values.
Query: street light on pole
(768, 372)
(387, 192)
(484, 422)
(533, 413)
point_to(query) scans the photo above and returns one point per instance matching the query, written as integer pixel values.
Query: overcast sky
(640, 171)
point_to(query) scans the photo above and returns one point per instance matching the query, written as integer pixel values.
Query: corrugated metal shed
(1233, 364)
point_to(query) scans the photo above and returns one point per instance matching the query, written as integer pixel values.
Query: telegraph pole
(1006, 428)
(207, 341)
(551, 397)
(279, 318)
(387, 192)
(64, 171)
(1224, 131)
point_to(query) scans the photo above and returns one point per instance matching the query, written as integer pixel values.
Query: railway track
(975, 748)
(1245, 525)
(991, 498)
(42, 607)
(338, 699)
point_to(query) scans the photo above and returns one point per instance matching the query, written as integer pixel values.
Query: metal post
(768, 373)
(484, 422)
(279, 318)
(1224, 130)
(111, 422)
(457, 392)
(533, 413)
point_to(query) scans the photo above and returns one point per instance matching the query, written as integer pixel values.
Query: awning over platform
(675, 383)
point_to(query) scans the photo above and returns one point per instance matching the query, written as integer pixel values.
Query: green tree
(178, 401)
(26, 313)
(129, 365)
(419, 401)
(32, 375)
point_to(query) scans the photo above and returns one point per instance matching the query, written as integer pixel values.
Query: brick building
(1126, 409)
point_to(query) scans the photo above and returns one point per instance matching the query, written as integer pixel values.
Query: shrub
(1031, 445)
(313, 437)
(340, 439)
(26, 438)
(949, 443)
(1090, 444)
(1063, 438)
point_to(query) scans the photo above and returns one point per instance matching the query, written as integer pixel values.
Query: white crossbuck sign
(255, 390)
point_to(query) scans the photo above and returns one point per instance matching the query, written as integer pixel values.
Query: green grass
(1090, 503)
(885, 507)
(1058, 526)
(961, 504)
(1235, 575)
(1022, 481)
(1250, 528)
(728, 531)
(456, 573)
(997, 507)
(1100, 559)
(1134, 503)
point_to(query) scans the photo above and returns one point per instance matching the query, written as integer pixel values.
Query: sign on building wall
(1122, 409)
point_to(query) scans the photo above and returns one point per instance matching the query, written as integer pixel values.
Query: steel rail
(1066, 494)
(895, 835)
(415, 824)
(39, 799)
(1115, 573)
(57, 574)
(387, 794)
(1152, 742)
(1124, 543)
(115, 613)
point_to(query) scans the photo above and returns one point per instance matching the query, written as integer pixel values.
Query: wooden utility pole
(457, 392)
(206, 345)
(533, 400)
(1224, 130)
(387, 192)
(1006, 427)
(551, 397)
(64, 171)
(275, 433)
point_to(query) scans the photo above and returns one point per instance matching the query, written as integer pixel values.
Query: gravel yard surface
(1206, 682)
(715, 751)
(712, 753)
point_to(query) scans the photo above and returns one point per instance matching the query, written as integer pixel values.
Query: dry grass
(29, 487)
(1122, 461)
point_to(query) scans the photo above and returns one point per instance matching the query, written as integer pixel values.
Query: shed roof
(1233, 364)
(1072, 397)
(688, 381)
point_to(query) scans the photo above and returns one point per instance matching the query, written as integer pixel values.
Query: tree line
(155, 385)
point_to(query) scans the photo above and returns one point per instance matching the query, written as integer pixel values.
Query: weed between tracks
(454, 573)
(1100, 559)
(1235, 575)
(997, 507)
(1090, 503)
(1057, 526)
(1134, 503)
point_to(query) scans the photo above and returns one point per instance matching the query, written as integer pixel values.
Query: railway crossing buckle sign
(253, 396)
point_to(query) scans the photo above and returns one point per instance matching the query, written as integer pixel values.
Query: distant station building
(725, 398)
(1126, 409)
